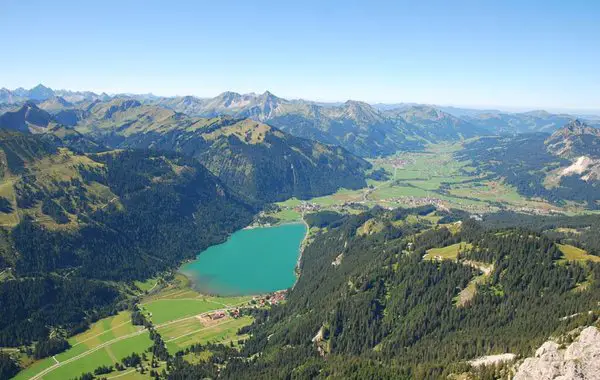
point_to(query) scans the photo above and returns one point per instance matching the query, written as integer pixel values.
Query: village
(258, 301)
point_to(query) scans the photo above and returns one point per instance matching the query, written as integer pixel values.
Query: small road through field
(131, 335)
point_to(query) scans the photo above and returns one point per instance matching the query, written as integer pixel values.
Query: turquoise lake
(252, 261)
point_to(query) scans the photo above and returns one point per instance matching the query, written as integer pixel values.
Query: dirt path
(122, 374)
(152, 288)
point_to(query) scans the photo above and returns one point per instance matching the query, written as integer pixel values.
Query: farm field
(431, 177)
(179, 314)
(181, 335)
(107, 356)
(165, 310)
(287, 215)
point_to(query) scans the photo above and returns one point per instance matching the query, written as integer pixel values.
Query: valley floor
(180, 315)
(434, 176)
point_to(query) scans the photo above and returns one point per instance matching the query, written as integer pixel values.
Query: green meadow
(173, 311)
(446, 253)
(572, 253)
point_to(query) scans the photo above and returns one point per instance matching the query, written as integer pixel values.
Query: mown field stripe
(102, 333)
(197, 331)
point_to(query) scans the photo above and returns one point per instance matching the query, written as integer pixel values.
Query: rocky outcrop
(581, 360)
(574, 140)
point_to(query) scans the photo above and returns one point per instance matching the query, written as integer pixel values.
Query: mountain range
(363, 129)
(274, 148)
(264, 162)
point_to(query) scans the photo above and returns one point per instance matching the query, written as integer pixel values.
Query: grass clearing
(291, 203)
(180, 328)
(397, 191)
(287, 215)
(469, 291)
(7, 191)
(446, 253)
(147, 285)
(572, 253)
(85, 349)
(75, 368)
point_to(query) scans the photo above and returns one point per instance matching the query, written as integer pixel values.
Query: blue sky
(511, 54)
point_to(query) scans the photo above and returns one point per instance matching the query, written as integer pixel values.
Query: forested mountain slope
(252, 157)
(375, 300)
(435, 125)
(27, 118)
(574, 140)
(73, 223)
(354, 125)
(560, 168)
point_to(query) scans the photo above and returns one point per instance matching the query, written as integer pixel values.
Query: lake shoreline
(249, 263)
(303, 245)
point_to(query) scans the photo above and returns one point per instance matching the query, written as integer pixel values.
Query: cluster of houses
(304, 207)
(270, 299)
(538, 211)
(217, 315)
(220, 314)
(420, 201)
(395, 161)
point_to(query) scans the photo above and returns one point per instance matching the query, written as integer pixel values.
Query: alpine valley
(440, 242)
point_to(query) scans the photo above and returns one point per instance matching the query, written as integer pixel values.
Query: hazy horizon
(589, 112)
(513, 55)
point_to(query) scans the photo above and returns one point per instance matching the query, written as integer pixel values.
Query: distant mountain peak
(40, 87)
(579, 127)
(228, 98)
(575, 139)
(356, 103)
(423, 111)
(229, 95)
(40, 92)
(576, 127)
(120, 105)
(28, 118)
(537, 113)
